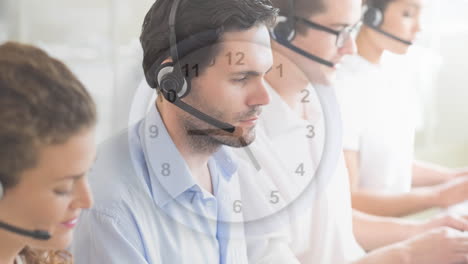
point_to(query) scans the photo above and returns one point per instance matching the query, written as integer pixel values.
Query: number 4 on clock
(300, 169)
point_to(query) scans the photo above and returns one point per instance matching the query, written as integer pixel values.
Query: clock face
(279, 158)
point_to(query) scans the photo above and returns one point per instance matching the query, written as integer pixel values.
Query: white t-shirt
(319, 228)
(379, 114)
(20, 260)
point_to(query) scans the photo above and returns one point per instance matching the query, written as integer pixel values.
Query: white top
(19, 260)
(379, 114)
(319, 229)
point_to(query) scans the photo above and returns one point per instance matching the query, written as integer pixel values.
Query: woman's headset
(1, 190)
(374, 17)
(36, 234)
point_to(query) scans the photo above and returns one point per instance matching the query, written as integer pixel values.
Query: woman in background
(47, 123)
(379, 117)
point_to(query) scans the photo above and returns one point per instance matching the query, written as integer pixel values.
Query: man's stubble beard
(203, 137)
(208, 139)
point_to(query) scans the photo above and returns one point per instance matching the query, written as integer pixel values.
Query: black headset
(1, 190)
(285, 31)
(169, 77)
(172, 84)
(374, 17)
(36, 234)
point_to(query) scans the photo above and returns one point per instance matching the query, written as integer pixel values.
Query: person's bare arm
(388, 255)
(394, 205)
(439, 246)
(378, 203)
(401, 204)
(427, 174)
(373, 232)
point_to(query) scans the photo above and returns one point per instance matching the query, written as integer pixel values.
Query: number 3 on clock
(310, 131)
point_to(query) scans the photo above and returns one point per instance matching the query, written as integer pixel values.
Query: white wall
(98, 39)
(445, 137)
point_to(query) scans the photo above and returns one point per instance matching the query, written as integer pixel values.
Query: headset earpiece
(170, 83)
(1, 190)
(373, 17)
(284, 30)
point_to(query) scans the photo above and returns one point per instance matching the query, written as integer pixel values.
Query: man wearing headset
(310, 42)
(166, 187)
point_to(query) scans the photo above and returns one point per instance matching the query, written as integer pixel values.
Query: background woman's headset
(1, 190)
(36, 234)
(374, 17)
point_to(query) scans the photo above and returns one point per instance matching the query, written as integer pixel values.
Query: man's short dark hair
(194, 17)
(302, 8)
(380, 4)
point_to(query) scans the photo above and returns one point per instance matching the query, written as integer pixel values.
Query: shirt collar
(168, 170)
(223, 160)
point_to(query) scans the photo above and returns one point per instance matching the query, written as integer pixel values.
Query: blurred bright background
(98, 39)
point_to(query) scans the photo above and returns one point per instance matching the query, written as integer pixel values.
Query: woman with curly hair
(47, 123)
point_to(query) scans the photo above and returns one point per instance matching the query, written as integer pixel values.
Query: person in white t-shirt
(379, 111)
(322, 231)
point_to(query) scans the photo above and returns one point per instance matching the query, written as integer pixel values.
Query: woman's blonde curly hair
(33, 256)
